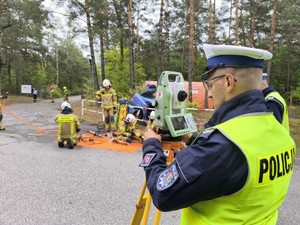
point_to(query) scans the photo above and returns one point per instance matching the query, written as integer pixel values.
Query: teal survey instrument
(170, 109)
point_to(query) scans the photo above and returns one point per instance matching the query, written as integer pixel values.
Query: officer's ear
(229, 82)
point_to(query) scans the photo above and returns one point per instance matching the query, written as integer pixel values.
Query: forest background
(131, 41)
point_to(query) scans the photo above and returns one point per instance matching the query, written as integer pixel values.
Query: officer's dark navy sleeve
(276, 107)
(208, 169)
(274, 104)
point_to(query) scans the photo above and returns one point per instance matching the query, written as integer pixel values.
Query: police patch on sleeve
(167, 178)
(147, 159)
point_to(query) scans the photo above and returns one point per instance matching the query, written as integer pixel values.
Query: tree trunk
(137, 34)
(236, 39)
(191, 51)
(131, 61)
(230, 20)
(101, 36)
(0, 78)
(212, 22)
(160, 40)
(9, 78)
(242, 25)
(253, 11)
(120, 26)
(57, 69)
(271, 46)
(288, 90)
(102, 60)
(91, 44)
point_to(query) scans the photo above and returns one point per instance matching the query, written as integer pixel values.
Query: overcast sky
(59, 21)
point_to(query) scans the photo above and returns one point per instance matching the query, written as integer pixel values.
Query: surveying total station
(173, 121)
(170, 109)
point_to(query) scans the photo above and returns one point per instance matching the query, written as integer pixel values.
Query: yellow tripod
(142, 208)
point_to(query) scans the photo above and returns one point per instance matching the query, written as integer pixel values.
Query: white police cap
(219, 56)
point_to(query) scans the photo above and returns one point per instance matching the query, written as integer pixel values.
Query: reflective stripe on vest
(270, 154)
(107, 98)
(66, 126)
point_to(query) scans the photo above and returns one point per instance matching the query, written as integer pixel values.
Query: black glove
(78, 129)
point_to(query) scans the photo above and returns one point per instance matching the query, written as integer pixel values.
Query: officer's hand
(186, 138)
(149, 133)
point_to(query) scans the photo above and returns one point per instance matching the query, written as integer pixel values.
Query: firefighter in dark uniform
(275, 103)
(226, 174)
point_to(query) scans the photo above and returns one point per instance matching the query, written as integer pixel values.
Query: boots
(70, 144)
(1, 128)
(60, 144)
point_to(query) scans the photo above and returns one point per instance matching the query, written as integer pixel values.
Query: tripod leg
(157, 217)
(147, 209)
(140, 207)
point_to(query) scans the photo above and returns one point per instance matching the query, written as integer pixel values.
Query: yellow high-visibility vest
(270, 153)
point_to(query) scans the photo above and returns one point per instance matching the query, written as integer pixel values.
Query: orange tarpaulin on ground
(91, 141)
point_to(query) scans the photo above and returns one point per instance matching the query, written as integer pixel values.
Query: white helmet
(106, 83)
(64, 105)
(152, 115)
(130, 118)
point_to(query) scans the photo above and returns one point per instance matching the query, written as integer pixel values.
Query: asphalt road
(42, 184)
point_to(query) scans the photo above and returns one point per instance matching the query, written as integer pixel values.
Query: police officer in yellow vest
(275, 102)
(68, 126)
(107, 97)
(238, 170)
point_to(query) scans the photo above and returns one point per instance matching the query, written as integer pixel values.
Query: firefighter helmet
(130, 118)
(152, 115)
(64, 105)
(106, 83)
(65, 88)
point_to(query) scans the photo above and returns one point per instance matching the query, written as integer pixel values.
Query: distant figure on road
(52, 94)
(34, 94)
(66, 94)
(68, 126)
(1, 116)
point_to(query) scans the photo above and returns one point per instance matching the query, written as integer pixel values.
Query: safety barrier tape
(136, 107)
